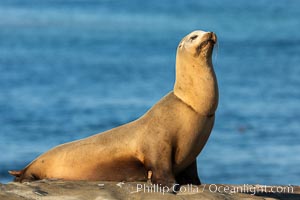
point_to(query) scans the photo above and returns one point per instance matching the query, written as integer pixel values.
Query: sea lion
(164, 142)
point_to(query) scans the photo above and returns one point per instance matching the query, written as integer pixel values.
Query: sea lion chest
(192, 137)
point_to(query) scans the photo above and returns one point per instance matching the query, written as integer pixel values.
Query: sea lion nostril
(193, 37)
(213, 37)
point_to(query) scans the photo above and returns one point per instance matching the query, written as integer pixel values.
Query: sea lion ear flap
(15, 173)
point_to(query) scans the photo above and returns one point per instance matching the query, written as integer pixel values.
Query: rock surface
(73, 190)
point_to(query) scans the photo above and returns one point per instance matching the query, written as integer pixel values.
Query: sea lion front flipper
(189, 175)
(160, 168)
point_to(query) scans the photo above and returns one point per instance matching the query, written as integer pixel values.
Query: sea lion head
(198, 46)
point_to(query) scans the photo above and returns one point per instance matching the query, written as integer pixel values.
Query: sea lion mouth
(211, 39)
(203, 44)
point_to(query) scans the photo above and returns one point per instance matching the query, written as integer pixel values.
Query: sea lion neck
(196, 84)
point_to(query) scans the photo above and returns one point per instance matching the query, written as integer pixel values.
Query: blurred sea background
(70, 69)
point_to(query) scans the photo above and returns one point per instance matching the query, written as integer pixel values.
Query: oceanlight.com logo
(248, 189)
(212, 188)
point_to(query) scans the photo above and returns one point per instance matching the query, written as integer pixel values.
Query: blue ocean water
(70, 69)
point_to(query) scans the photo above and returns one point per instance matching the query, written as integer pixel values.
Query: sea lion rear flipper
(15, 173)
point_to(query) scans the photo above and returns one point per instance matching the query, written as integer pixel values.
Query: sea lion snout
(213, 37)
(209, 37)
(198, 41)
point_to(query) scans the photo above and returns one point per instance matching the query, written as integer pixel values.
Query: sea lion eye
(193, 37)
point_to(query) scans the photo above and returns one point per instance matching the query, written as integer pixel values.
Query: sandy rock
(73, 190)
